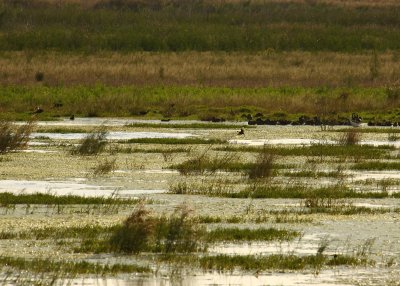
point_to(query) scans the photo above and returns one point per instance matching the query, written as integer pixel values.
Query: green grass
(282, 262)
(86, 232)
(123, 101)
(201, 26)
(300, 192)
(349, 210)
(313, 174)
(129, 150)
(49, 199)
(375, 165)
(246, 234)
(320, 150)
(62, 130)
(38, 265)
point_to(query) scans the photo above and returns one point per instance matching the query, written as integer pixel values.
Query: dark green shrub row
(197, 25)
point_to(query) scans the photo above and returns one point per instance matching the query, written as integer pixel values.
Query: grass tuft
(350, 138)
(264, 166)
(246, 234)
(142, 232)
(105, 167)
(14, 138)
(92, 144)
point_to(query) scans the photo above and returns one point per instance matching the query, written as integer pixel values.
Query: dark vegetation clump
(93, 144)
(177, 233)
(105, 167)
(349, 138)
(39, 76)
(264, 166)
(204, 163)
(12, 137)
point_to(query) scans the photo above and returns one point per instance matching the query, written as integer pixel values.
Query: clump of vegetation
(393, 94)
(39, 265)
(203, 163)
(246, 234)
(105, 167)
(12, 137)
(320, 150)
(349, 138)
(264, 166)
(393, 136)
(143, 232)
(291, 262)
(92, 144)
(376, 165)
(39, 76)
(303, 192)
(135, 234)
(50, 199)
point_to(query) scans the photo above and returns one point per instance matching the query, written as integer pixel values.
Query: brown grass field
(268, 68)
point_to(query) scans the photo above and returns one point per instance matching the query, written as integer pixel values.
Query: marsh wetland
(305, 207)
(176, 142)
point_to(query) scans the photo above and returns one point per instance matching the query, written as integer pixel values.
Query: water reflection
(214, 278)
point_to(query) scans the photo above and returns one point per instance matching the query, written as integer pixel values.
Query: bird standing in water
(241, 132)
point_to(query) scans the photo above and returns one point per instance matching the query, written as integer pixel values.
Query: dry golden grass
(201, 68)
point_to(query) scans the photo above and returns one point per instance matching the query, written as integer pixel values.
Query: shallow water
(115, 135)
(337, 277)
(345, 234)
(272, 279)
(306, 142)
(95, 121)
(377, 175)
(78, 187)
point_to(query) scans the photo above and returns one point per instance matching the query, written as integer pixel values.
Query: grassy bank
(205, 103)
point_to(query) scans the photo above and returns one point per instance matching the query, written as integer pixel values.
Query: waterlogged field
(163, 198)
(193, 203)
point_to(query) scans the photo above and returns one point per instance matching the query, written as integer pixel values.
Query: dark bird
(241, 132)
(355, 120)
(38, 110)
(72, 117)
